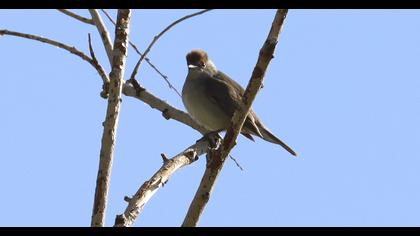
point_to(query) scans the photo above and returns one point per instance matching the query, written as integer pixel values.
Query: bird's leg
(213, 138)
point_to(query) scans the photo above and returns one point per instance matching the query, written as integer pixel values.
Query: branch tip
(164, 158)
(127, 198)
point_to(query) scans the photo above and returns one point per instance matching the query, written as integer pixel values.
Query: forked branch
(165, 77)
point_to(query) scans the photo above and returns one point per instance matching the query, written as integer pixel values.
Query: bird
(211, 97)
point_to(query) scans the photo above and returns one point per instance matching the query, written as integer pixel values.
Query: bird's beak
(192, 66)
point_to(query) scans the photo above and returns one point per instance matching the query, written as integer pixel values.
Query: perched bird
(211, 98)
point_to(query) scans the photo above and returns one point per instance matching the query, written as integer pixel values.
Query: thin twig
(77, 17)
(112, 115)
(236, 162)
(105, 86)
(68, 48)
(133, 74)
(103, 32)
(108, 16)
(165, 77)
(218, 157)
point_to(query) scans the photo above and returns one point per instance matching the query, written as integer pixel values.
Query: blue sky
(343, 90)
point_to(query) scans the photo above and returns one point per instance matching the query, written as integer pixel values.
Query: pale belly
(205, 111)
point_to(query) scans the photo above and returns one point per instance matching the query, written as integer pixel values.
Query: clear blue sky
(343, 90)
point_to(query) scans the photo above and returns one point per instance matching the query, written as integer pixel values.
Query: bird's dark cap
(197, 57)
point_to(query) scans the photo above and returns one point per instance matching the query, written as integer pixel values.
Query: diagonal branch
(161, 177)
(165, 77)
(70, 49)
(136, 68)
(77, 17)
(106, 39)
(218, 156)
(167, 110)
(111, 122)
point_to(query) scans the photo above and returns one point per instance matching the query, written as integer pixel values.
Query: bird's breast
(202, 108)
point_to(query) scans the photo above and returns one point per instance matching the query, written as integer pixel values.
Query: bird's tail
(270, 137)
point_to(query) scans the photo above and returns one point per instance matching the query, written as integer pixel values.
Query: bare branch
(218, 157)
(146, 58)
(112, 115)
(150, 187)
(133, 74)
(106, 39)
(104, 93)
(70, 49)
(105, 86)
(77, 17)
(167, 110)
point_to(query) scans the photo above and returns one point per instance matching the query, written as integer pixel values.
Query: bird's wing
(225, 78)
(223, 92)
(229, 98)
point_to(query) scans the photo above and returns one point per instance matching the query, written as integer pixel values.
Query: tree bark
(112, 114)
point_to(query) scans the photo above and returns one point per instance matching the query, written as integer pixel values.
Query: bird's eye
(203, 65)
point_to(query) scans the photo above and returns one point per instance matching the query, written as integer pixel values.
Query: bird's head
(198, 58)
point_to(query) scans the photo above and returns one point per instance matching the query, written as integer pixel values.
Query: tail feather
(268, 136)
(253, 126)
(249, 136)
